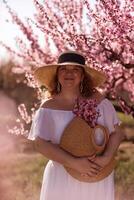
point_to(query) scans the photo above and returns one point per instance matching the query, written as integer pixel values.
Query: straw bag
(78, 139)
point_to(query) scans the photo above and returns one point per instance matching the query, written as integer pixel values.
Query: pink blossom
(87, 110)
(108, 43)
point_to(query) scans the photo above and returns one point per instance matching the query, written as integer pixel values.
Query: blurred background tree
(103, 33)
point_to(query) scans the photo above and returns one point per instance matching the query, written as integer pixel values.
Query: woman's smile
(70, 76)
(69, 79)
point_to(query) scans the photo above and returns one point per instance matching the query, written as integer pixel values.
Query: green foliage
(127, 120)
(124, 179)
(125, 172)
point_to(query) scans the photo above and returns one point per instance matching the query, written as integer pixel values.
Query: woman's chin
(68, 84)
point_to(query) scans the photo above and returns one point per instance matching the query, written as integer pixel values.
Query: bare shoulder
(50, 103)
(98, 96)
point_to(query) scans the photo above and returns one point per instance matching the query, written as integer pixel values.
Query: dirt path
(8, 114)
(17, 173)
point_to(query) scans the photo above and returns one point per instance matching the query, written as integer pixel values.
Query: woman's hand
(100, 160)
(85, 166)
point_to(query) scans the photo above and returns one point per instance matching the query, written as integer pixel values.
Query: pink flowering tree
(103, 32)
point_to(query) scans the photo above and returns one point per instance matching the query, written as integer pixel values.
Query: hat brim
(45, 74)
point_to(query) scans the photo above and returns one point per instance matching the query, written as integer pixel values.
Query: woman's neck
(69, 96)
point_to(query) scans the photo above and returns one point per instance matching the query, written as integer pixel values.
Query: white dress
(57, 184)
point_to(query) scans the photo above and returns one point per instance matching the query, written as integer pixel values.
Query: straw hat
(45, 75)
(78, 140)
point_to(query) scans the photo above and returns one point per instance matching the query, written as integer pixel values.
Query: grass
(124, 178)
(21, 175)
(125, 173)
(127, 120)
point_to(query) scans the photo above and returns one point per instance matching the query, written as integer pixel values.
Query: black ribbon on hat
(71, 57)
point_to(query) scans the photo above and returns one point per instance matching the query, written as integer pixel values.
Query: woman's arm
(114, 141)
(55, 153)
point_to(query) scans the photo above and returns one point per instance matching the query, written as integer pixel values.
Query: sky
(9, 31)
(24, 9)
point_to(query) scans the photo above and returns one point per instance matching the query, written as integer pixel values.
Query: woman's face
(70, 76)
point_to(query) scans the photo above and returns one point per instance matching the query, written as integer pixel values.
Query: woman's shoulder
(102, 100)
(49, 103)
(99, 97)
(106, 104)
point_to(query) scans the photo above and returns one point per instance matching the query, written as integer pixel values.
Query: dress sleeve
(110, 116)
(39, 126)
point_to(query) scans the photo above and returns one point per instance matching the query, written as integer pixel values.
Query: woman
(66, 81)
